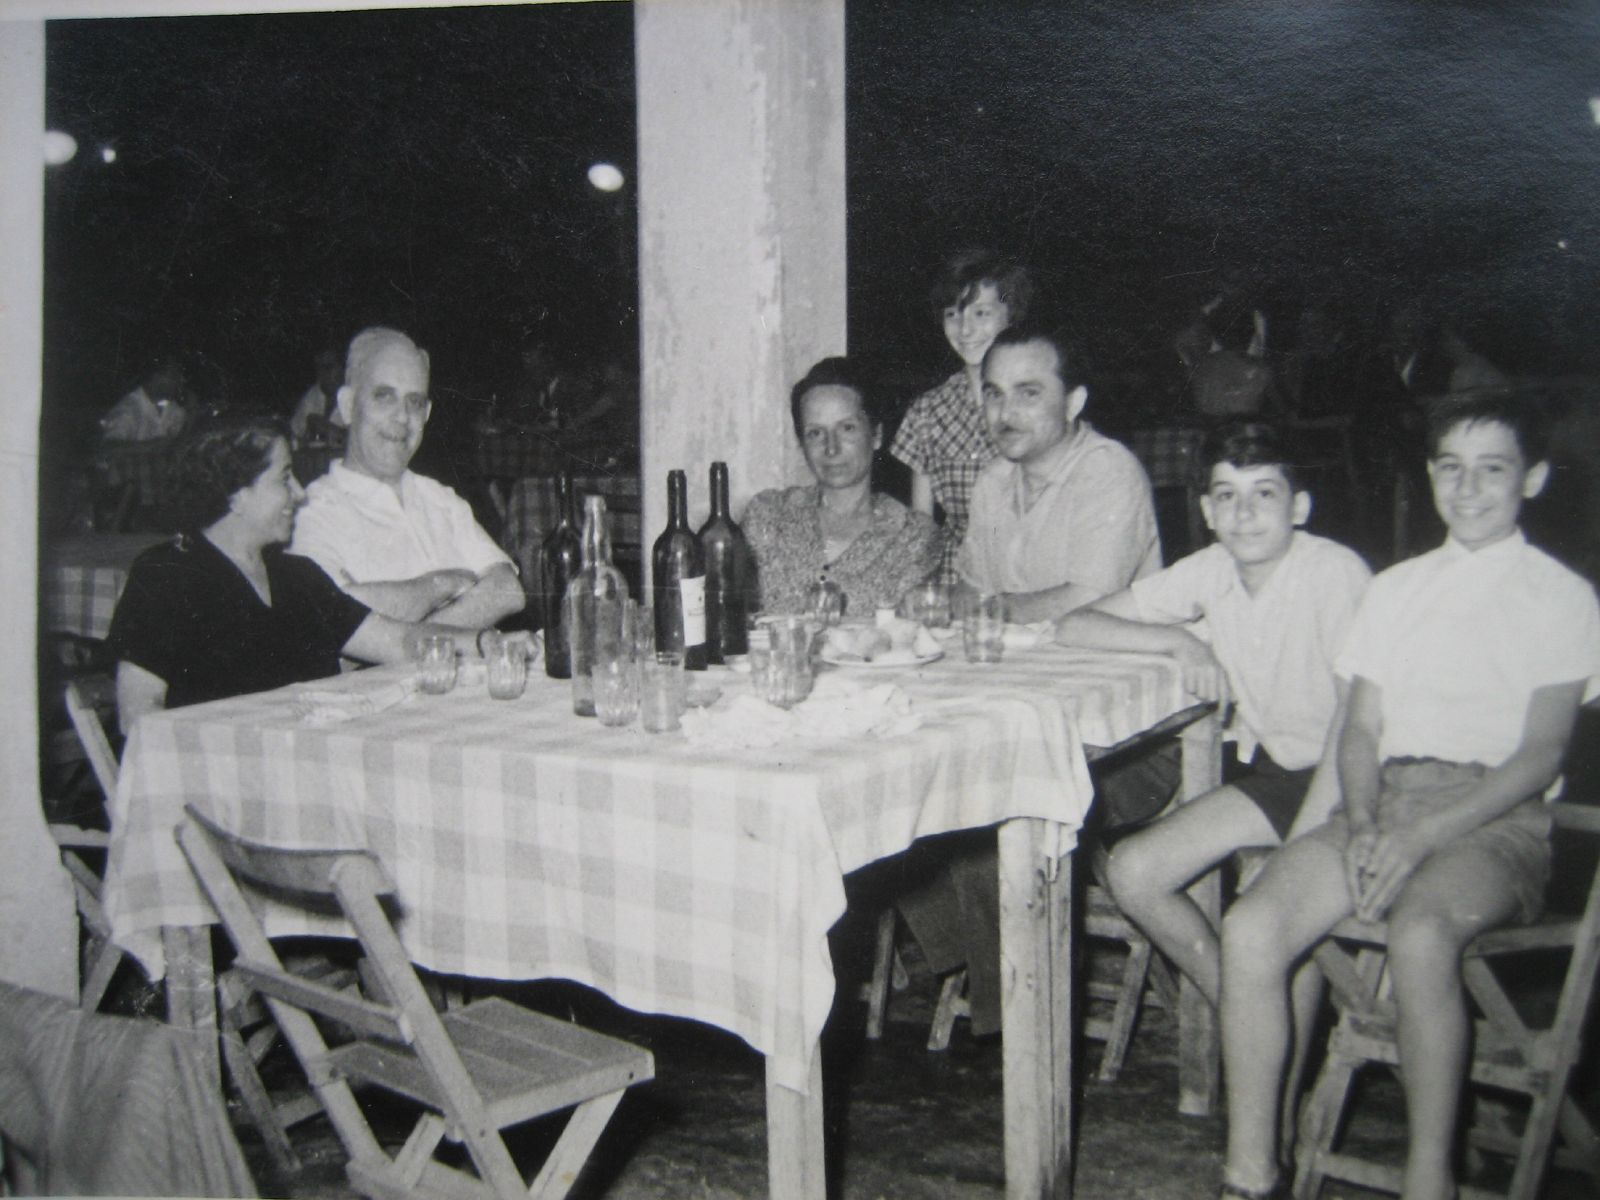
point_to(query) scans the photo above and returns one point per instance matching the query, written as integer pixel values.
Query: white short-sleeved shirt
(1459, 640)
(1277, 646)
(1093, 525)
(359, 530)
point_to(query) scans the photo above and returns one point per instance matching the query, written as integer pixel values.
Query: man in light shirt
(405, 545)
(1064, 516)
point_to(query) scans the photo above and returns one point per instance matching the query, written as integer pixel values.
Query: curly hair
(218, 460)
(959, 282)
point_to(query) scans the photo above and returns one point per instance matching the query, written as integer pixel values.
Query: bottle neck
(564, 514)
(719, 491)
(677, 500)
(596, 537)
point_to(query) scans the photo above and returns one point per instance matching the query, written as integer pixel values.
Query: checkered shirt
(944, 437)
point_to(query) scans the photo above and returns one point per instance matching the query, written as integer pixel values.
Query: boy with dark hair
(1256, 616)
(1467, 666)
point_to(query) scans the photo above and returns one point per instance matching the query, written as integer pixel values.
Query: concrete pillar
(741, 233)
(38, 923)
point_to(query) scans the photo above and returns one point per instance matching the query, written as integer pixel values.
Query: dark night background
(283, 180)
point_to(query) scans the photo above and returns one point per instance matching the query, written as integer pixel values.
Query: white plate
(828, 657)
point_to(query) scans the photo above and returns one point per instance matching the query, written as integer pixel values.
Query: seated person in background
(871, 545)
(1256, 617)
(152, 411)
(1064, 516)
(402, 544)
(316, 415)
(222, 610)
(1467, 666)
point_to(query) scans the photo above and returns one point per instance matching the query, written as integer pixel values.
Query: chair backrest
(92, 736)
(221, 861)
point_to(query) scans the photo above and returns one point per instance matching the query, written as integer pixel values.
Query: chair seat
(525, 1063)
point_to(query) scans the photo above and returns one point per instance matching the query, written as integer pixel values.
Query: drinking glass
(788, 677)
(825, 599)
(616, 689)
(983, 629)
(507, 666)
(661, 691)
(436, 656)
(930, 604)
(759, 653)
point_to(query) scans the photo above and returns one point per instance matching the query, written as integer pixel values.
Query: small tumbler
(436, 656)
(616, 689)
(661, 691)
(983, 629)
(507, 666)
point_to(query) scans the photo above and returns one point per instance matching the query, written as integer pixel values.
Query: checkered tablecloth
(526, 842)
(83, 578)
(531, 509)
(1168, 454)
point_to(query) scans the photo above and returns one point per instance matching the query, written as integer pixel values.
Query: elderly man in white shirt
(405, 545)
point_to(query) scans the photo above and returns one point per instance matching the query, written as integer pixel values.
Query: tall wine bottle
(678, 579)
(594, 604)
(727, 574)
(560, 559)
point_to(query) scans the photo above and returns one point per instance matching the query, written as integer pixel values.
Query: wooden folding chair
(1510, 1054)
(475, 1070)
(99, 958)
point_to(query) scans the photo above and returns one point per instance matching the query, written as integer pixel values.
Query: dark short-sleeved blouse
(899, 549)
(190, 617)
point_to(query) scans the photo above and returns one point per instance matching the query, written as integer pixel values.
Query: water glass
(661, 691)
(788, 675)
(825, 600)
(436, 656)
(616, 689)
(929, 603)
(983, 630)
(507, 666)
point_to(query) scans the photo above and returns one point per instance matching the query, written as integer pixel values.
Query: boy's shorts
(1277, 791)
(1412, 788)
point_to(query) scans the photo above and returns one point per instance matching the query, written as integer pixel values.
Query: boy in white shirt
(1467, 666)
(1257, 616)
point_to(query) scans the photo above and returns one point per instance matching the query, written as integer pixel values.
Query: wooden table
(526, 843)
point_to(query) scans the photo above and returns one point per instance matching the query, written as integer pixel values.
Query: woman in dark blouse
(222, 610)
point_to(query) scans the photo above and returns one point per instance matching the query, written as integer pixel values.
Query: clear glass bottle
(727, 557)
(594, 605)
(678, 578)
(560, 559)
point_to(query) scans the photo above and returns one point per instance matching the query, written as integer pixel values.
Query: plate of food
(892, 643)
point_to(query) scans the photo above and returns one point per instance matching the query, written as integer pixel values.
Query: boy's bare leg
(1299, 896)
(1455, 894)
(1148, 871)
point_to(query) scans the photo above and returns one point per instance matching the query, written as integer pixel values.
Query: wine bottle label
(693, 591)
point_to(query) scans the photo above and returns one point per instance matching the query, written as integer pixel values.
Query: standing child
(1258, 615)
(1467, 668)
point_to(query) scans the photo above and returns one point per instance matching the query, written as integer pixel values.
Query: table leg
(1036, 1010)
(1199, 1065)
(192, 990)
(796, 1158)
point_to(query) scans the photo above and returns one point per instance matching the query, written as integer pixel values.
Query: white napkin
(837, 707)
(1026, 637)
(329, 706)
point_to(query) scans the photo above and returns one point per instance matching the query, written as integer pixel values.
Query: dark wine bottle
(727, 574)
(678, 580)
(560, 557)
